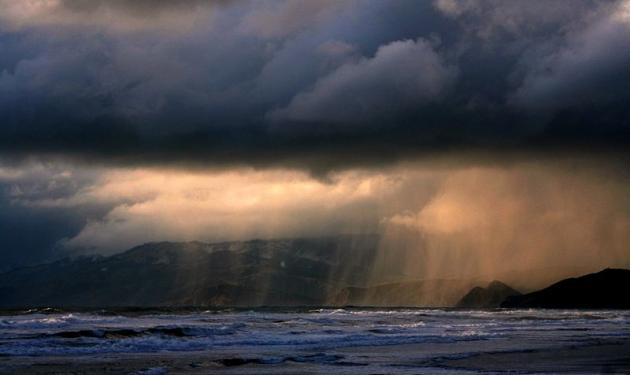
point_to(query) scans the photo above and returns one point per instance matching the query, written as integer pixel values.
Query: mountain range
(286, 272)
(331, 271)
(251, 273)
(607, 289)
(489, 297)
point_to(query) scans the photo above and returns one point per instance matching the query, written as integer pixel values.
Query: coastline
(603, 356)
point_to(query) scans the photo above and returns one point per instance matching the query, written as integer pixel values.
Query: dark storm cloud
(32, 222)
(400, 77)
(313, 84)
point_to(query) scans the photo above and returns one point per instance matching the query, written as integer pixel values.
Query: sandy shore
(607, 356)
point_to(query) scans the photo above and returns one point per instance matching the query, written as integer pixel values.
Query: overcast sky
(111, 111)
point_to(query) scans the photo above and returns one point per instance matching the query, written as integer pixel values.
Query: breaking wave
(41, 333)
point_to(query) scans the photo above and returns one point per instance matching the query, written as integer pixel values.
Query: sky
(495, 130)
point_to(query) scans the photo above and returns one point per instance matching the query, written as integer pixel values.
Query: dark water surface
(313, 340)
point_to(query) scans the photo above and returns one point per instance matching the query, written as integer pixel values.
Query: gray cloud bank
(311, 84)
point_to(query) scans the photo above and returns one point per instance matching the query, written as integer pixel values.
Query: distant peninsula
(607, 289)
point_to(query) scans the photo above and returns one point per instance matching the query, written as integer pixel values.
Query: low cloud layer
(434, 221)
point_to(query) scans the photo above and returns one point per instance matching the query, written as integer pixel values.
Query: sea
(306, 340)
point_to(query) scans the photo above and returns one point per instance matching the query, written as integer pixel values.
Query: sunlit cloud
(522, 218)
(439, 221)
(240, 204)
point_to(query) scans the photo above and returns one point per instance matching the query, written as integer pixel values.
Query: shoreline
(610, 356)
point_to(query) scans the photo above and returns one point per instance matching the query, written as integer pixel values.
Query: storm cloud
(32, 217)
(309, 84)
(364, 116)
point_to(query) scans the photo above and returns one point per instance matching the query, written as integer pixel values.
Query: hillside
(489, 297)
(607, 289)
(285, 272)
(250, 273)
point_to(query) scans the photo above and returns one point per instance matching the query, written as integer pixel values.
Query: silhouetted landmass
(329, 271)
(607, 289)
(285, 272)
(492, 296)
(527, 280)
(251, 273)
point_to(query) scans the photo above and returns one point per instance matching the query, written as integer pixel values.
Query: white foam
(76, 334)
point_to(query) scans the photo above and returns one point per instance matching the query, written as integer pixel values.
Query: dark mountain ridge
(334, 271)
(284, 272)
(607, 289)
(489, 297)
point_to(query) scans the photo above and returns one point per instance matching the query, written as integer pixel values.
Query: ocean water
(321, 338)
